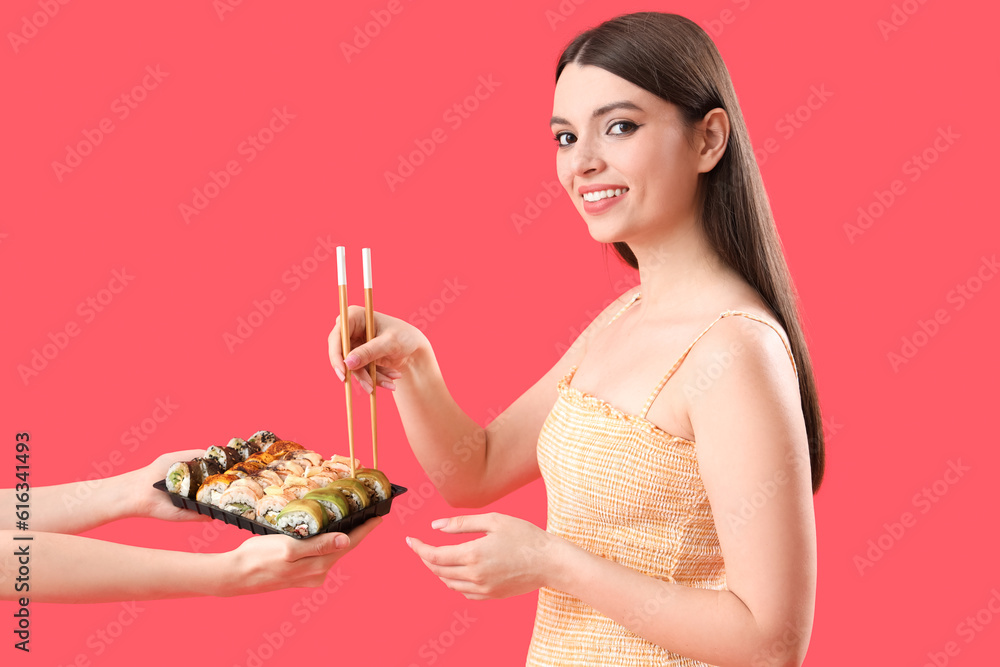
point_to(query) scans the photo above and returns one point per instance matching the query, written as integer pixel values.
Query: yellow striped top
(626, 490)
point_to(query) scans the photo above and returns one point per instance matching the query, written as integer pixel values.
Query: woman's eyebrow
(600, 111)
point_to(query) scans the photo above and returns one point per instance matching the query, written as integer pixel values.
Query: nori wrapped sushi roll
(245, 449)
(226, 456)
(302, 517)
(262, 439)
(186, 477)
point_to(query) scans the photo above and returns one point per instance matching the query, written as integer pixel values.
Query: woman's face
(614, 135)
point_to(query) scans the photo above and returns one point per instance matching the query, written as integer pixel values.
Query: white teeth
(598, 195)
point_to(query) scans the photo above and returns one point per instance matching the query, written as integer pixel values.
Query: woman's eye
(626, 126)
(564, 138)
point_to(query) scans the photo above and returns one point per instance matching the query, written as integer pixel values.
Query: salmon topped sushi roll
(269, 506)
(240, 500)
(213, 487)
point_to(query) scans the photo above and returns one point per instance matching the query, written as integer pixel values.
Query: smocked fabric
(623, 488)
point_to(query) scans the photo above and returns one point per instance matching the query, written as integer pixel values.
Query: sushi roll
(226, 456)
(304, 456)
(212, 488)
(262, 439)
(241, 500)
(185, 477)
(332, 501)
(249, 482)
(267, 477)
(354, 492)
(302, 517)
(377, 483)
(285, 468)
(247, 468)
(244, 448)
(263, 457)
(282, 447)
(269, 506)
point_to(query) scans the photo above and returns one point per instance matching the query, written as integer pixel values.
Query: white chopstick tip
(341, 265)
(366, 257)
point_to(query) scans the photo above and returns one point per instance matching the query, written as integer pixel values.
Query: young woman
(680, 439)
(70, 568)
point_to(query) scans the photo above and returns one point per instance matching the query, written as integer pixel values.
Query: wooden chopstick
(345, 344)
(366, 257)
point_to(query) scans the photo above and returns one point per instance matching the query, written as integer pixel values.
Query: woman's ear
(713, 138)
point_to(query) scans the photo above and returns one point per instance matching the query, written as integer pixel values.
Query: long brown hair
(673, 58)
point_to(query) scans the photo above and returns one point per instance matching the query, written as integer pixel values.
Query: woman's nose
(586, 159)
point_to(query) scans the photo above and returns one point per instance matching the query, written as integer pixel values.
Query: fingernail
(408, 543)
(351, 361)
(388, 385)
(341, 541)
(366, 386)
(439, 523)
(340, 373)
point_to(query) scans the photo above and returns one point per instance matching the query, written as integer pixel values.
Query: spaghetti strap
(624, 308)
(673, 369)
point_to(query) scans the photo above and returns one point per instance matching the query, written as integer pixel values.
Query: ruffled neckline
(603, 407)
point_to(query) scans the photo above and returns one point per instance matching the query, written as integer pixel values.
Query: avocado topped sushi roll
(333, 502)
(377, 483)
(354, 492)
(302, 517)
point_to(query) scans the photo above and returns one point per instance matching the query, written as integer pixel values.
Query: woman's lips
(598, 207)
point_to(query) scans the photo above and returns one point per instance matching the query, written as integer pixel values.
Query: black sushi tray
(381, 508)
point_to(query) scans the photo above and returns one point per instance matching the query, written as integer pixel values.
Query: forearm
(70, 508)
(450, 445)
(707, 625)
(69, 568)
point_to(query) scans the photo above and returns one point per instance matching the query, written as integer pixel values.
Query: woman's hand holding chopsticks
(393, 348)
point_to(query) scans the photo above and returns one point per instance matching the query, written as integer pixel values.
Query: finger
(362, 531)
(320, 545)
(448, 555)
(185, 455)
(389, 372)
(471, 523)
(466, 588)
(355, 319)
(373, 350)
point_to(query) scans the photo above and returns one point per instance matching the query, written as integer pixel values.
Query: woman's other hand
(512, 558)
(144, 500)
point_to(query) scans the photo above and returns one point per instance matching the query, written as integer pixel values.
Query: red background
(525, 292)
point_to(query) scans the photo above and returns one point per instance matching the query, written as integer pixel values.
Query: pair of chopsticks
(345, 342)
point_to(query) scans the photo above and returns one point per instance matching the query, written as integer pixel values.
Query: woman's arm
(69, 568)
(753, 460)
(471, 466)
(79, 506)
